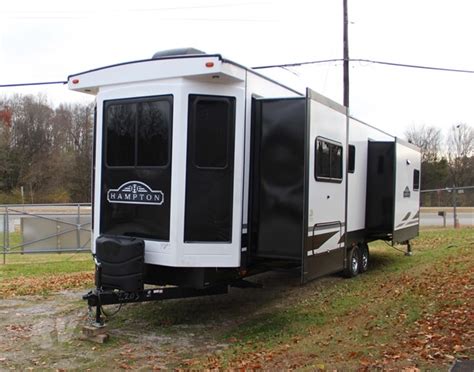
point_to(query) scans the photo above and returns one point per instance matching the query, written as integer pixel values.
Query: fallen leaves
(425, 315)
(21, 286)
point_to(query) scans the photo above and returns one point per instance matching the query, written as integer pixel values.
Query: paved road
(432, 219)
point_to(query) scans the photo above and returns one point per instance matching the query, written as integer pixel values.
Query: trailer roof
(89, 81)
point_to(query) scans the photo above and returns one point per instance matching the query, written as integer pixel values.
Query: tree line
(446, 161)
(45, 152)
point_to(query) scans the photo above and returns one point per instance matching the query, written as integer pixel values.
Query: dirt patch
(43, 331)
(30, 327)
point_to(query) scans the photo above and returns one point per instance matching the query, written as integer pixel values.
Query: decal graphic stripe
(411, 224)
(317, 241)
(407, 216)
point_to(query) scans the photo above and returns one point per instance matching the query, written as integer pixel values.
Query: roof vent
(177, 52)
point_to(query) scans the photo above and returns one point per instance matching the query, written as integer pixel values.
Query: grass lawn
(405, 312)
(24, 274)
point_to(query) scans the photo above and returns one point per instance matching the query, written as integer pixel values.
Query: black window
(211, 122)
(416, 179)
(209, 169)
(328, 161)
(352, 155)
(138, 131)
(120, 121)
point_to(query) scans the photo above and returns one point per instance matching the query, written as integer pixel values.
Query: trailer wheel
(353, 259)
(364, 257)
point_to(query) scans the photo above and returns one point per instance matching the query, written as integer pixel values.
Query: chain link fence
(45, 228)
(57, 228)
(452, 206)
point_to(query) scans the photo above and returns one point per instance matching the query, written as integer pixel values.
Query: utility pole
(346, 54)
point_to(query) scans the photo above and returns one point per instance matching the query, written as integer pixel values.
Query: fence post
(5, 232)
(78, 227)
(455, 215)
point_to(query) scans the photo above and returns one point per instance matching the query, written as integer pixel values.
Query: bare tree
(428, 139)
(461, 140)
(460, 143)
(47, 151)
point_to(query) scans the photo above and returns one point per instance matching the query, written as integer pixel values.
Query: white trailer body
(213, 170)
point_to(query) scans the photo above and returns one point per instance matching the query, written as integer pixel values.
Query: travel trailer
(206, 172)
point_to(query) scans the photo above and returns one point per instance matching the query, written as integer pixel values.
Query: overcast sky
(49, 40)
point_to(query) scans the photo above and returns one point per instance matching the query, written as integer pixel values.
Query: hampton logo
(135, 192)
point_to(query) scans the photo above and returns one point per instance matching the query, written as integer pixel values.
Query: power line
(81, 13)
(445, 69)
(296, 64)
(31, 84)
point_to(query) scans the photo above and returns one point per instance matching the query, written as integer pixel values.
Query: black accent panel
(121, 261)
(355, 236)
(407, 233)
(277, 177)
(316, 241)
(323, 263)
(210, 169)
(189, 277)
(379, 217)
(150, 221)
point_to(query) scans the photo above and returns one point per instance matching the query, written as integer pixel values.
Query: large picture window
(328, 161)
(138, 131)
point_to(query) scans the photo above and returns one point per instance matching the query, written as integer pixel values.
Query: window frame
(136, 100)
(329, 179)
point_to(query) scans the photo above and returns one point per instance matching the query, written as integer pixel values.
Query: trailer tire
(353, 260)
(364, 257)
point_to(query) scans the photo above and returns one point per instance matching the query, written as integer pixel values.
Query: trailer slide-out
(206, 172)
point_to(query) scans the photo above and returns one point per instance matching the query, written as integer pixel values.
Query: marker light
(75, 81)
(209, 64)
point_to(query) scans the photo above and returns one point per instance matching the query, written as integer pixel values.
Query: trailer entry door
(209, 169)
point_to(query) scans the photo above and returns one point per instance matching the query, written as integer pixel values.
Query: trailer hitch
(98, 297)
